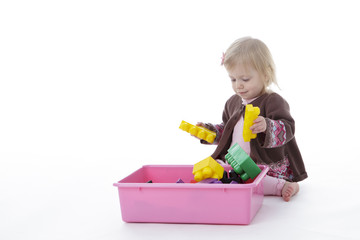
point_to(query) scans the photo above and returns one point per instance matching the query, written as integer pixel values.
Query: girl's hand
(259, 125)
(207, 126)
(200, 124)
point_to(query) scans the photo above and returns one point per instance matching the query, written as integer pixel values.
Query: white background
(92, 90)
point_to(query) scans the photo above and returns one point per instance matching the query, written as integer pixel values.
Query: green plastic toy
(242, 163)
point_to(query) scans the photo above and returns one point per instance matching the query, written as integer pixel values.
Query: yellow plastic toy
(207, 168)
(198, 131)
(251, 113)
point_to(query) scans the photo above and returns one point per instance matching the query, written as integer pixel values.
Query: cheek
(255, 86)
(233, 85)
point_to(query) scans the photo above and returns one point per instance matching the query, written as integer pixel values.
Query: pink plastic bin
(165, 201)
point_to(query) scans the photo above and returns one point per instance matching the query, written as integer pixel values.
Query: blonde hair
(251, 52)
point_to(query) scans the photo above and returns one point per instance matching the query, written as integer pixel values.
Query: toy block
(242, 163)
(234, 177)
(179, 181)
(225, 178)
(199, 132)
(207, 168)
(211, 181)
(251, 113)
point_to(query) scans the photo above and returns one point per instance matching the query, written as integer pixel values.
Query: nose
(239, 84)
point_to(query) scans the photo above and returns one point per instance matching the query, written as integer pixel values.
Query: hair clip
(223, 59)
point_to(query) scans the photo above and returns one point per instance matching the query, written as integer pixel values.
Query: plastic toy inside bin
(165, 201)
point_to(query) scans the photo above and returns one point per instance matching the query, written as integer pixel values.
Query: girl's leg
(273, 186)
(279, 187)
(276, 187)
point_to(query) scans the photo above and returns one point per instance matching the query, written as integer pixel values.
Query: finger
(210, 127)
(257, 128)
(258, 119)
(255, 131)
(200, 124)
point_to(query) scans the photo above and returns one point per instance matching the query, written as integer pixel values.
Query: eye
(245, 79)
(233, 80)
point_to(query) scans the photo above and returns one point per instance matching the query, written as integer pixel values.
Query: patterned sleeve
(275, 133)
(218, 128)
(280, 126)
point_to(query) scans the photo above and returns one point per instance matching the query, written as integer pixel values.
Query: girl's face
(246, 81)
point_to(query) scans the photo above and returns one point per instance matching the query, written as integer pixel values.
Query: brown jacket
(275, 145)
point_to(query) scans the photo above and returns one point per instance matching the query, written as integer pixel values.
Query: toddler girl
(251, 69)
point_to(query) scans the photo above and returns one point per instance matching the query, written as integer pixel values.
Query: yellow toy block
(251, 113)
(207, 168)
(198, 131)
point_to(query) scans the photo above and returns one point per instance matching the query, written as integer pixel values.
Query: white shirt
(238, 131)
